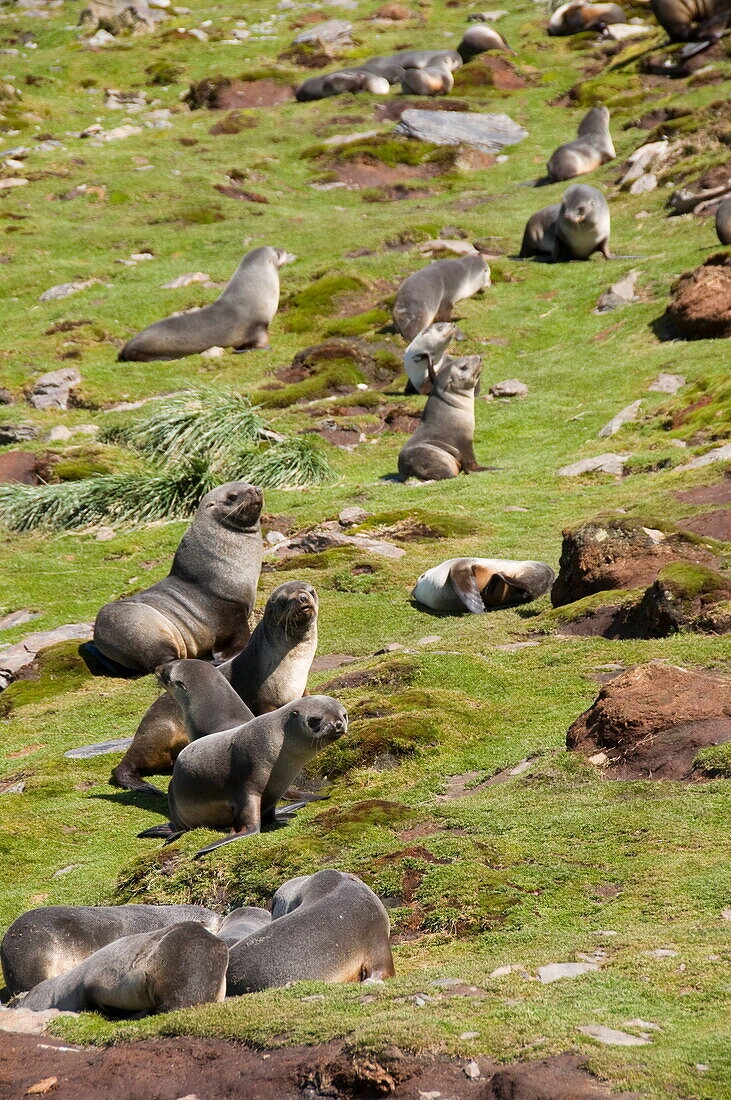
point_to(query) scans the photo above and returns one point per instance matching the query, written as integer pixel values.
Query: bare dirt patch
(717, 525)
(360, 173)
(217, 93)
(700, 307)
(392, 110)
(719, 492)
(22, 468)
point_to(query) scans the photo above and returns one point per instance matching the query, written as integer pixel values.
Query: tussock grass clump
(291, 463)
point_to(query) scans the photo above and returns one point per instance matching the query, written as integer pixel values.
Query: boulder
(333, 32)
(625, 416)
(700, 306)
(116, 16)
(684, 597)
(618, 552)
(511, 387)
(489, 132)
(607, 463)
(53, 390)
(618, 294)
(651, 721)
(16, 433)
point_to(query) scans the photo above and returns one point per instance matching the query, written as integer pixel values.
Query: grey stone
(429, 639)
(352, 516)
(608, 463)
(86, 752)
(511, 387)
(718, 454)
(667, 383)
(472, 1070)
(618, 294)
(17, 618)
(625, 416)
(59, 434)
(17, 657)
(52, 390)
(489, 132)
(273, 537)
(25, 1022)
(17, 433)
(553, 972)
(333, 32)
(14, 788)
(6, 397)
(64, 290)
(611, 1037)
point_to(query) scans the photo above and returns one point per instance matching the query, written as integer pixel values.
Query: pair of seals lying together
(139, 959)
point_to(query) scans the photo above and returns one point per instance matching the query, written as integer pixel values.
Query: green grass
(528, 871)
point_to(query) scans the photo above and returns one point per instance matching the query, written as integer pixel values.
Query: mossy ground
(535, 869)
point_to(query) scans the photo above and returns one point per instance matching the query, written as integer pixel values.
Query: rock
(59, 434)
(457, 248)
(489, 132)
(317, 541)
(429, 639)
(511, 387)
(18, 618)
(12, 788)
(213, 353)
(610, 1037)
(684, 597)
(20, 656)
(607, 463)
(472, 1070)
(644, 184)
(617, 552)
(621, 32)
(717, 454)
(64, 290)
(553, 972)
(667, 383)
(21, 468)
(627, 414)
(333, 32)
(53, 390)
(352, 516)
(86, 752)
(24, 1022)
(662, 953)
(700, 306)
(486, 16)
(101, 38)
(618, 294)
(273, 537)
(186, 280)
(119, 132)
(12, 181)
(6, 397)
(653, 720)
(17, 433)
(113, 17)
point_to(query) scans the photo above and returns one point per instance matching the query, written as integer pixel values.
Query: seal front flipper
(465, 585)
(227, 840)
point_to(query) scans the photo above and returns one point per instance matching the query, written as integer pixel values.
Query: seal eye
(231, 498)
(314, 723)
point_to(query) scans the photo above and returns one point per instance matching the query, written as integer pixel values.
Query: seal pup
(442, 443)
(592, 148)
(351, 942)
(431, 294)
(576, 17)
(340, 82)
(693, 20)
(723, 222)
(429, 346)
(392, 67)
(272, 670)
(46, 942)
(158, 971)
(238, 319)
(435, 80)
(482, 584)
(203, 604)
(480, 39)
(234, 780)
(570, 230)
(243, 922)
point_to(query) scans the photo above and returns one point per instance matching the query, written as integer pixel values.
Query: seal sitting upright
(239, 318)
(202, 606)
(326, 927)
(272, 670)
(442, 443)
(482, 584)
(570, 230)
(430, 294)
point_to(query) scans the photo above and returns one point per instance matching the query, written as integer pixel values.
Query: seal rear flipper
(296, 795)
(98, 663)
(121, 777)
(226, 840)
(465, 586)
(168, 831)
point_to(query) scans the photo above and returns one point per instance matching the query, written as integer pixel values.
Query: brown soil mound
(700, 308)
(598, 556)
(358, 173)
(651, 722)
(717, 525)
(496, 72)
(218, 93)
(392, 110)
(22, 468)
(719, 492)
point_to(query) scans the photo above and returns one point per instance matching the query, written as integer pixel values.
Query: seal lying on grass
(481, 584)
(592, 148)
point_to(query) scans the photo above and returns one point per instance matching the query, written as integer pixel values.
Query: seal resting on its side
(243, 922)
(326, 927)
(46, 942)
(239, 318)
(272, 670)
(576, 17)
(158, 971)
(234, 780)
(570, 230)
(592, 148)
(430, 294)
(693, 20)
(481, 584)
(442, 443)
(435, 80)
(344, 80)
(203, 605)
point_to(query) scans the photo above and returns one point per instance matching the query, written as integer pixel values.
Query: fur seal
(570, 230)
(430, 294)
(340, 82)
(592, 148)
(393, 66)
(481, 584)
(723, 222)
(234, 780)
(272, 670)
(435, 80)
(239, 318)
(158, 971)
(351, 942)
(243, 922)
(692, 20)
(46, 942)
(203, 604)
(429, 346)
(479, 39)
(576, 17)
(442, 443)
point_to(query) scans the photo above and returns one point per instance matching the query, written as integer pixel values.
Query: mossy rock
(411, 523)
(57, 670)
(386, 739)
(554, 618)
(714, 761)
(319, 299)
(704, 409)
(689, 582)
(610, 89)
(325, 560)
(335, 376)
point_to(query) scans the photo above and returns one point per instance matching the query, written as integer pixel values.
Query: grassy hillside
(553, 864)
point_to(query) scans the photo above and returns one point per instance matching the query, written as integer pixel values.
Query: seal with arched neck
(570, 230)
(442, 443)
(693, 20)
(272, 670)
(480, 38)
(234, 780)
(243, 922)
(203, 605)
(592, 148)
(159, 971)
(46, 942)
(429, 347)
(576, 17)
(723, 222)
(326, 927)
(482, 584)
(434, 80)
(431, 294)
(238, 319)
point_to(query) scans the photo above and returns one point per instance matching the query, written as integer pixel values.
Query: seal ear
(465, 585)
